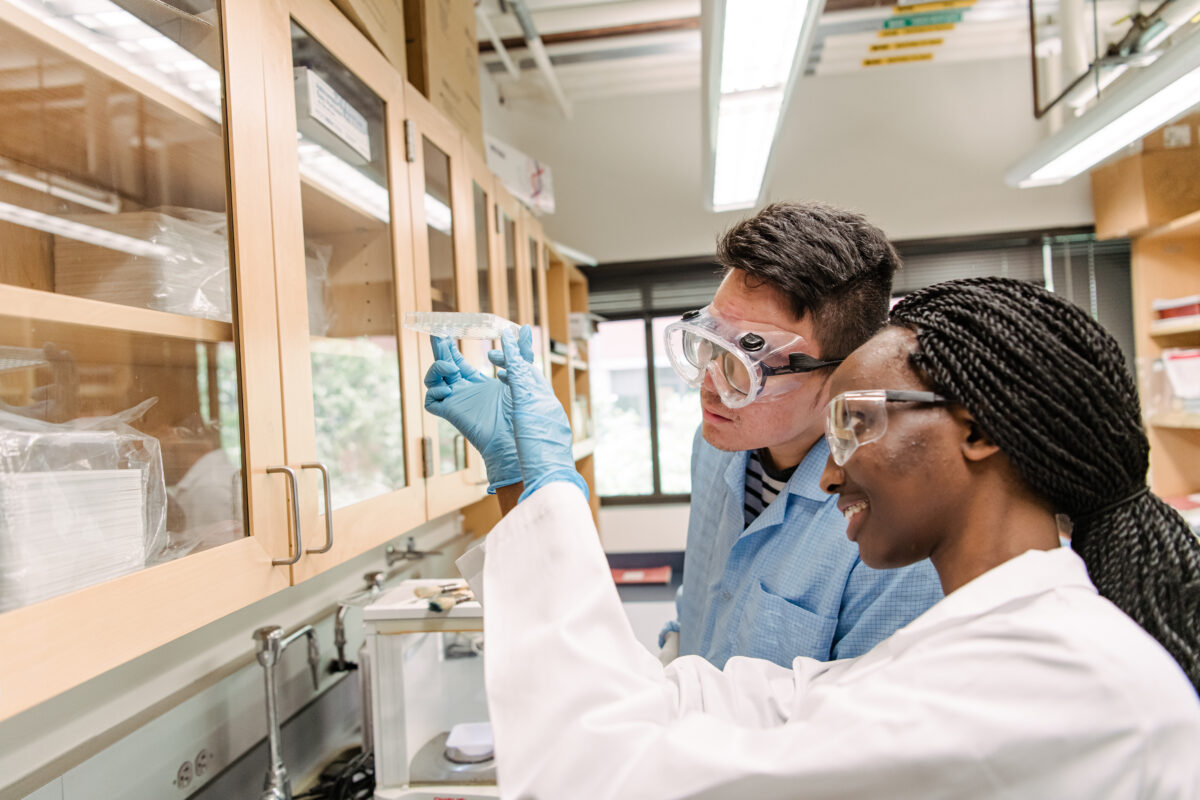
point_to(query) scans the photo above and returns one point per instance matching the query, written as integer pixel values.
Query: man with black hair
(768, 570)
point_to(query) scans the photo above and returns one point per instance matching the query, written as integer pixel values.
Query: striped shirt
(762, 485)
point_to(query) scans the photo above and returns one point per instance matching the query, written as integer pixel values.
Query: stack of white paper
(61, 531)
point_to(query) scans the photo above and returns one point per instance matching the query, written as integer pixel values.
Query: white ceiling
(919, 146)
(604, 59)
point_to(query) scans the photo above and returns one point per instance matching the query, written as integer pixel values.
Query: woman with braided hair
(963, 432)
(1050, 388)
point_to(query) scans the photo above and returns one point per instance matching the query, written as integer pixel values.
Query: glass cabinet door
(338, 131)
(535, 266)
(123, 448)
(487, 283)
(445, 273)
(516, 300)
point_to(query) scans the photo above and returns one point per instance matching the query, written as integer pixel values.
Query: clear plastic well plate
(458, 324)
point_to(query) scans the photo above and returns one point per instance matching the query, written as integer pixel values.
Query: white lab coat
(1023, 684)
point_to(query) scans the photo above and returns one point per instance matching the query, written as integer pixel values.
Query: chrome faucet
(409, 553)
(374, 586)
(271, 643)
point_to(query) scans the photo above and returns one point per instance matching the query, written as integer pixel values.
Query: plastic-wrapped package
(80, 503)
(185, 269)
(316, 268)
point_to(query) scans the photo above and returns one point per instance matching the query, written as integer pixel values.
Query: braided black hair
(1050, 387)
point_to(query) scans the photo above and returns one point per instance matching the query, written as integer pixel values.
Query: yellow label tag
(938, 5)
(879, 62)
(907, 43)
(916, 30)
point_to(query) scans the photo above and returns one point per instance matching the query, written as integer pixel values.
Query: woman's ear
(976, 444)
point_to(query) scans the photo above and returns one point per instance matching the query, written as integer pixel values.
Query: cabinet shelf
(1175, 327)
(1176, 419)
(326, 214)
(1185, 226)
(61, 309)
(579, 365)
(558, 358)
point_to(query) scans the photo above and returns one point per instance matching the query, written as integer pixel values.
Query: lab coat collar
(805, 481)
(1032, 573)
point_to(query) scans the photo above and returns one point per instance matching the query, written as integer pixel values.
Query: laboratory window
(645, 415)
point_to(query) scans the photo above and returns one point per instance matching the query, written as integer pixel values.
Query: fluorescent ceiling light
(438, 215)
(1145, 100)
(83, 233)
(60, 187)
(342, 180)
(754, 51)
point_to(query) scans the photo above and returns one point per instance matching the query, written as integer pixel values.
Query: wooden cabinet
(342, 235)
(229, 211)
(532, 259)
(444, 266)
(127, 274)
(1165, 265)
(567, 296)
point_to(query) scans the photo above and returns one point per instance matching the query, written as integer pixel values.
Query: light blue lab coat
(791, 584)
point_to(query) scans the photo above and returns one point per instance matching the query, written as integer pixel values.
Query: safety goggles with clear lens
(739, 358)
(861, 417)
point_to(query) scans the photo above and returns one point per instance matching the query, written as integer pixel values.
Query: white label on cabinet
(333, 111)
(1177, 136)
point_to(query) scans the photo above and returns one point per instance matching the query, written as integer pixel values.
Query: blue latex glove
(539, 422)
(479, 406)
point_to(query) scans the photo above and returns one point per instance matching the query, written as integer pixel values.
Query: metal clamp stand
(271, 644)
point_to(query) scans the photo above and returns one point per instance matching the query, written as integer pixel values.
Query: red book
(643, 575)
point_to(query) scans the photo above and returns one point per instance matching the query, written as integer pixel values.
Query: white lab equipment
(428, 708)
(458, 324)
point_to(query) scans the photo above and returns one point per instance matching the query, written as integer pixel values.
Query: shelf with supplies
(1165, 272)
(122, 267)
(1178, 327)
(116, 180)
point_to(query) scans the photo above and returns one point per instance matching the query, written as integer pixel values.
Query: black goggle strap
(799, 363)
(902, 396)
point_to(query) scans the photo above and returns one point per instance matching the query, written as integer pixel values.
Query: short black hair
(830, 263)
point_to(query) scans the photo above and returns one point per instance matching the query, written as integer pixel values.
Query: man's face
(786, 423)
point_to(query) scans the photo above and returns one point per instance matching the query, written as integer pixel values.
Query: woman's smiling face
(903, 493)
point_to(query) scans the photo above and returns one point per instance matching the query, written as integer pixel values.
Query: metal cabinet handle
(293, 483)
(235, 497)
(427, 456)
(317, 465)
(460, 452)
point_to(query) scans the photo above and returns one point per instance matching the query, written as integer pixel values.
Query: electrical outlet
(204, 762)
(184, 776)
